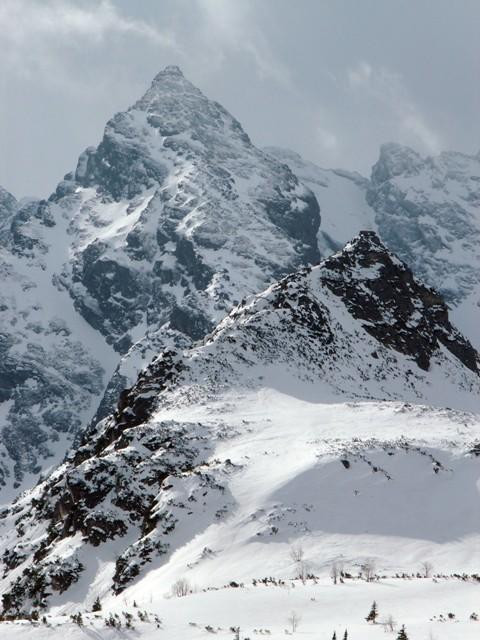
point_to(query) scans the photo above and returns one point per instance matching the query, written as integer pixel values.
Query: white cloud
(22, 20)
(231, 27)
(360, 75)
(36, 35)
(327, 139)
(388, 89)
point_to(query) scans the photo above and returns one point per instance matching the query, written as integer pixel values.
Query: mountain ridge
(303, 336)
(165, 226)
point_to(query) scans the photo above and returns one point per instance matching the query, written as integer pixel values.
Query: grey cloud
(332, 79)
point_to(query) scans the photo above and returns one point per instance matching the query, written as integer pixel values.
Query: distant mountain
(8, 206)
(342, 198)
(149, 478)
(162, 228)
(426, 210)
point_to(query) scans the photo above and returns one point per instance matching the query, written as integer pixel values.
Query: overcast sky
(331, 79)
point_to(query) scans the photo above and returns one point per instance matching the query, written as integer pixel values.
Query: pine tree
(334, 637)
(345, 635)
(372, 616)
(402, 635)
(97, 605)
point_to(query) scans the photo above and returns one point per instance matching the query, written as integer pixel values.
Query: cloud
(26, 19)
(36, 35)
(327, 139)
(360, 75)
(388, 89)
(232, 28)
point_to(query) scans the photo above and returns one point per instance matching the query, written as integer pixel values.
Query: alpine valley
(239, 393)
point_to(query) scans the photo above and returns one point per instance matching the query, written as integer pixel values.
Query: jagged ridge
(348, 327)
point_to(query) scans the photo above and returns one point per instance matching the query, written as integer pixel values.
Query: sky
(330, 79)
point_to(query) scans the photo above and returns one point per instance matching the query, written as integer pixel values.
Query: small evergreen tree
(402, 635)
(372, 616)
(334, 637)
(345, 635)
(77, 619)
(97, 605)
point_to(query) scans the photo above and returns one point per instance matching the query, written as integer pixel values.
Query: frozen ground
(408, 495)
(422, 605)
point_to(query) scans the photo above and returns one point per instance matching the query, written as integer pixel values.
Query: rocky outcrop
(399, 311)
(425, 210)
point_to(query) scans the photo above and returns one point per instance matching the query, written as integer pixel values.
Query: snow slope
(291, 423)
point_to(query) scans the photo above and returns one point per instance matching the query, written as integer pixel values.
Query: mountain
(426, 210)
(159, 231)
(291, 369)
(8, 206)
(171, 221)
(341, 195)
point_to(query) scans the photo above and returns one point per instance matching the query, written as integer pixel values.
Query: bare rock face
(397, 309)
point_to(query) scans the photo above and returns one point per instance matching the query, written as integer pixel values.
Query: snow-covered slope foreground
(402, 491)
(248, 612)
(426, 210)
(272, 432)
(162, 228)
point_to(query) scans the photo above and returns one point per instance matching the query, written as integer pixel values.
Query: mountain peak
(395, 308)
(365, 236)
(170, 72)
(396, 159)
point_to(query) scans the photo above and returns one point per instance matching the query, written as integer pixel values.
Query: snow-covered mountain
(162, 228)
(342, 198)
(8, 206)
(426, 210)
(171, 468)
(166, 225)
(52, 362)
(330, 419)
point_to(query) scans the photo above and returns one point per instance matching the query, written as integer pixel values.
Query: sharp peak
(169, 80)
(365, 236)
(170, 71)
(366, 245)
